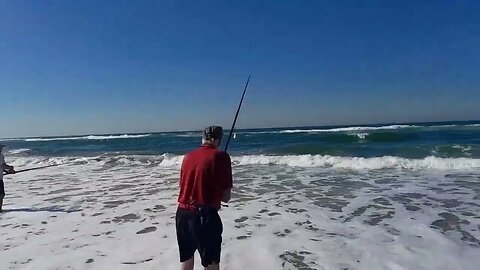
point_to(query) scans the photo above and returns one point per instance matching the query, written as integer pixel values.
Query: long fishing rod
(236, 115)
(36, 168)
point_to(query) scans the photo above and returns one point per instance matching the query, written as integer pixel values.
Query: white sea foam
(361, 135)
(464, 148)
(90, 215)
(184, 134)
(289, 131)
(354, 128)
(360, 163)
(353, 163)
(10, 139)
(305, 161)
(444, 126)
(89, 137)
(187, 136)
(19, 151)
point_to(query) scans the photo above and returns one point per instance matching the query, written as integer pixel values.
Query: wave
(10, 139)
(443, 126)
(463, 148)
(361, 136)
(19, 151)
(359, 128)
(360, 163)
(89, 137)
(306, 161)
(190, 135)
(453, 125)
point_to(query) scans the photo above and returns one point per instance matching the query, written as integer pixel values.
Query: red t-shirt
(206, 173)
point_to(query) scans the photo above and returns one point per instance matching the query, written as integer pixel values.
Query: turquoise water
(411, 140)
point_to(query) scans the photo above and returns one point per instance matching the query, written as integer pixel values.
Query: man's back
(206, 173)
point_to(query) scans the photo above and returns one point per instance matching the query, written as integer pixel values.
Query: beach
(288, 211)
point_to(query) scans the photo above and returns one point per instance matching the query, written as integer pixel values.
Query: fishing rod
(236, 115)
(35, 168)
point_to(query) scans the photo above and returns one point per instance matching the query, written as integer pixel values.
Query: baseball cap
(213, 133)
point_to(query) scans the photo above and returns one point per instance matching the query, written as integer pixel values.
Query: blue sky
(84, 67)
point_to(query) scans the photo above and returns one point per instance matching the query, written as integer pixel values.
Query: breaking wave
(19, 151)
(89, 137)
(360, 163)
(289, 131)
(323, 161)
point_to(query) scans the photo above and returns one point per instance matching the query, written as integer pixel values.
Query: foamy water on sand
(117, 212)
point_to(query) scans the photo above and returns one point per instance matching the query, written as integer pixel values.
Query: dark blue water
(412, 140)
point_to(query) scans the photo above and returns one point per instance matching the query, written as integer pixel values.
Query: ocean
(388, 196)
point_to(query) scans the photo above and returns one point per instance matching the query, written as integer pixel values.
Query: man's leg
(185, 239)
(1, 201)
(210, 240)
(188, 265)
(212, 267)
(2, 194)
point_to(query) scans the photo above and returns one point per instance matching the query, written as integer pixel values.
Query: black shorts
(2, 188)
(199, 229)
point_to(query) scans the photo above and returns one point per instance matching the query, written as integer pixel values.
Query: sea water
(357, 197)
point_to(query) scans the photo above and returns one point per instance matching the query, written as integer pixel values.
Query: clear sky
(84, 67)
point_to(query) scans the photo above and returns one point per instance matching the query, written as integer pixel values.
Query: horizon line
(272, 127)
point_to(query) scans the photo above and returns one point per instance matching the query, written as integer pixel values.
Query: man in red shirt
(205, 181)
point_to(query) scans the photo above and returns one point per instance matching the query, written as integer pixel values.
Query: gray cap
(213, 133)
